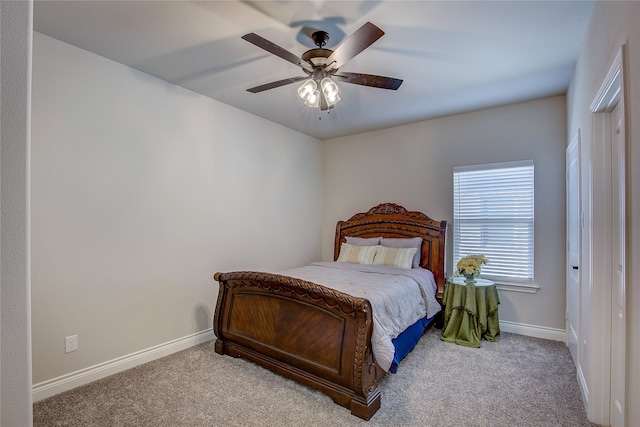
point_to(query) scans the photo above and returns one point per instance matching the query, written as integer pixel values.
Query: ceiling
(453, 56)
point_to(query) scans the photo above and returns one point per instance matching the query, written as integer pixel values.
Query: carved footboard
(310, 333)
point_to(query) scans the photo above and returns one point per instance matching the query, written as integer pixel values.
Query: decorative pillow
(414, 242)
(396, 257)
(357, 254)
(363, 241)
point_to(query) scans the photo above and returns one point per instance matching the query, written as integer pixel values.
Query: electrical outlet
(70, 343)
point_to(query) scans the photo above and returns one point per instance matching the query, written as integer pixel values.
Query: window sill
(517, 287)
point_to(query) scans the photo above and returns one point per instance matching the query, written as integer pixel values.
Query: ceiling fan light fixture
(309, 93)
(330, 91)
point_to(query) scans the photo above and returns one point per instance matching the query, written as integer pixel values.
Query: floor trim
(84, 376)
(533, 331)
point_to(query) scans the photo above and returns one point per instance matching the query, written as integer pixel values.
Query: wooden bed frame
(310, 333)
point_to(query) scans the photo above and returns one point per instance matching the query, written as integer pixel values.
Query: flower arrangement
(470, 265)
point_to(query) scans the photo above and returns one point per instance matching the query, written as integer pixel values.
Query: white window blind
(493, 215)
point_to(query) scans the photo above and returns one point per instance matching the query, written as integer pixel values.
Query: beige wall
(413, 165)
(612, 25)
(141, 191)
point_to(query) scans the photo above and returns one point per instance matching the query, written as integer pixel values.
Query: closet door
(573, 247)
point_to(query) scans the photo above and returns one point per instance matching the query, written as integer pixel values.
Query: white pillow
(412, 242)
(396, 257)
(357, 254)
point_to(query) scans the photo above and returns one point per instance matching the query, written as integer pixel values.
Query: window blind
(494, 216)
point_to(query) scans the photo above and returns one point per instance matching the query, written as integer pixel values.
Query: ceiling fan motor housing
(317, 57)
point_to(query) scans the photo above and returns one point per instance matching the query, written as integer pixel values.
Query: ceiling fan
(321, 65)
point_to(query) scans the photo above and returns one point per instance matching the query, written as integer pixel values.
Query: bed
(318, 335)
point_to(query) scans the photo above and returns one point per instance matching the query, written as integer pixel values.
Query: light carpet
(517, 381)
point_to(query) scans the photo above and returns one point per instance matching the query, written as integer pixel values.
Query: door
(573, 246)
(618, 298)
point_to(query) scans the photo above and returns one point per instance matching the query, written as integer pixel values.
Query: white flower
(471, 264)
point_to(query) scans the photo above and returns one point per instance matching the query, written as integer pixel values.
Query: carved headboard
(391, 220)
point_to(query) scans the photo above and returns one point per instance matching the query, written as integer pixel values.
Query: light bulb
(330, 90)
(309, 93)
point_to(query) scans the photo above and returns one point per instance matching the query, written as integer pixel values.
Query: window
(493, 215)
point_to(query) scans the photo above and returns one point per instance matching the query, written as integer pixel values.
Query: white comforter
(399, 297)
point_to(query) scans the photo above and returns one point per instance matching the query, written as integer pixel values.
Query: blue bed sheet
(407, 340)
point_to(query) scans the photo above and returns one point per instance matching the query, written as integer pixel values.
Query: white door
(573, 247)
(618, 298)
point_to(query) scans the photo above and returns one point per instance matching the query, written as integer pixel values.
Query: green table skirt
(470, 314)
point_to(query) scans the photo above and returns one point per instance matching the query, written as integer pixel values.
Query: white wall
(412, 165)
(15, 306)
(141, 191)
(612, 25)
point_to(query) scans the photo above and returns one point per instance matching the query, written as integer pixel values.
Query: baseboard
(533, 331)
(85, 376)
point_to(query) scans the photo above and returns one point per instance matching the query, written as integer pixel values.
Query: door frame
(576, 143)
(611, 93)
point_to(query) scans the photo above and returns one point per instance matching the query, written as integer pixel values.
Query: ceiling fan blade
(361, 39)
(274, 85)
(276, 50)
(369, 80)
